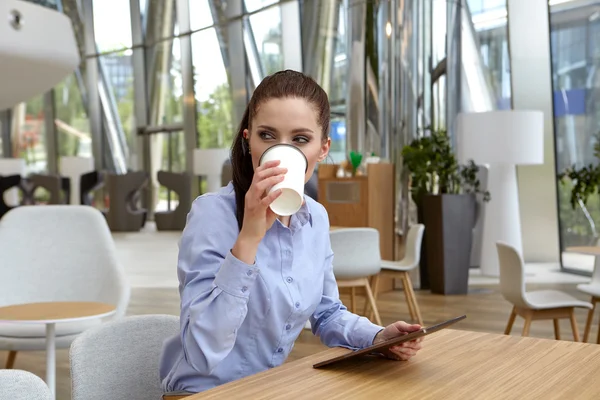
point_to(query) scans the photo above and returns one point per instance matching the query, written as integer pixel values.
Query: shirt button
(288, 327)
(289, 279)
(249, 273)
(245, 289)
(280, 350)
(297, 305)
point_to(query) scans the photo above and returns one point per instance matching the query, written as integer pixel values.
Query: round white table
(50, 314)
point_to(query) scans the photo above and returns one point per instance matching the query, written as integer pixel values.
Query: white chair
(535, 305)
(401, 269)
(56, 253)
(356, 258)
(593, 289)
(120, 359)
(22, 385)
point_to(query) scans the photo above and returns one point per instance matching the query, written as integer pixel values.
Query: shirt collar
(303, 215)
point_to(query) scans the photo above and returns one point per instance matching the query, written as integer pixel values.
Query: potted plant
(580, 184)
(444, 193)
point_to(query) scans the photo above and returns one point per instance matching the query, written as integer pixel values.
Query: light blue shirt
(239, 319)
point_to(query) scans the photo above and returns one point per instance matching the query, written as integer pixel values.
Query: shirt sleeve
(214, 285)
(334, 324)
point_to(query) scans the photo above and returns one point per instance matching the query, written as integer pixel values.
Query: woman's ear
(324, 149)
(246, 134)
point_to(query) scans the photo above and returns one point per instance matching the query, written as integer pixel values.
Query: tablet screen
(379, 347)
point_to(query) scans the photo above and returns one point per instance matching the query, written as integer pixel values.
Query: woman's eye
(301, 139)
(266, 135)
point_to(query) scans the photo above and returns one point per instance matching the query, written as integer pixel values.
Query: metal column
(189, 100)
(93, 95)
(51, 133)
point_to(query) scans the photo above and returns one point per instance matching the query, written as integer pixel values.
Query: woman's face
(287, 121)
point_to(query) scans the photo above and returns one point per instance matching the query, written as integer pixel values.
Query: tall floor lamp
(502, 139)
(37, 50)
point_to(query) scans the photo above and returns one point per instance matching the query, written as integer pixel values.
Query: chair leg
(353, 299)
(10, 361)
(411, 309)
(527, 325)
(375, 286)
(590, 319)
(413, 298)
(371, 299)
(598, 340)
(511, 321)
(574, 325)
(556, 329)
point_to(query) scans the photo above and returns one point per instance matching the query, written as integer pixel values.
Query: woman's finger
(267, 165)
(261, 175)
(263, 185)
(266, 202)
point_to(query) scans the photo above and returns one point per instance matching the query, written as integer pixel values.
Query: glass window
(200, 14)
(117, 70)
(266, 29)
(576, 85)
(29, 138)
(337, 95)
(72, 122)
(492, 34)
(254, 5)
(167, 149)
(112, 25)
(212, 91)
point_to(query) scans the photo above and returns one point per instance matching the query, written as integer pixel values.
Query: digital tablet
(379, 347)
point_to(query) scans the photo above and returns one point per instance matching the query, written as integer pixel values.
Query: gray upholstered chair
(22, 385)
(226, 173)
(123, 214)
(58, 187)
(120, 359)
(7, 183)
(89, 182)
(56, 253)
(175, 220)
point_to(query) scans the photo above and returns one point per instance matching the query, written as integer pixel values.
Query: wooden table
(452, 365)
(589, 250)
(50, 314)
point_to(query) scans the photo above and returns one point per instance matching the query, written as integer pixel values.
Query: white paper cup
(292, 186)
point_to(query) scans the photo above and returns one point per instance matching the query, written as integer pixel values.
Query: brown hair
(281, 84)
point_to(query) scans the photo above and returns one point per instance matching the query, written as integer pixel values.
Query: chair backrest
(356, 252)
(512, 275)
(59, 253)
(596, 273)
(414, 239)
(16, 384)
(120, 359)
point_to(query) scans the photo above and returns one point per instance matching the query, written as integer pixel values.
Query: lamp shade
(209, 161)
(501, 137)
(37, 50)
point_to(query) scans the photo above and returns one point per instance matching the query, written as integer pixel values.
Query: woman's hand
(258, 217)
(403, 351)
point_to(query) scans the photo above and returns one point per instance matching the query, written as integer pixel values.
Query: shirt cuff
(236, 277)
(368, 331)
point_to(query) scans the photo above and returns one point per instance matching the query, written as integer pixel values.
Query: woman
(249, 280)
